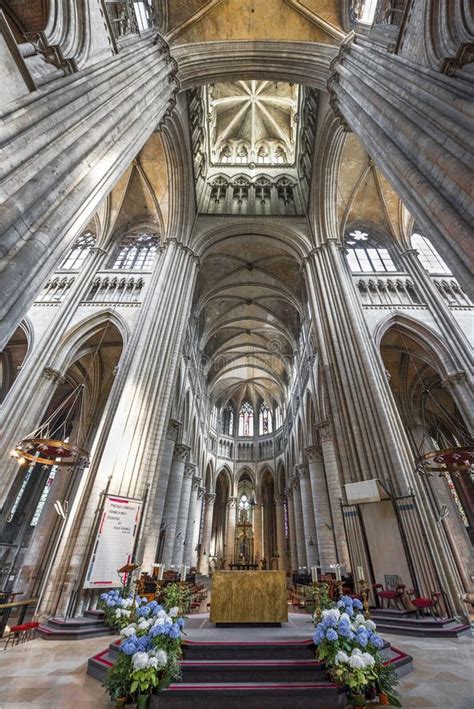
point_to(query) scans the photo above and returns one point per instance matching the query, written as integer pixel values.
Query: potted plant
(356, 672)
(117, 681)
(387, 680)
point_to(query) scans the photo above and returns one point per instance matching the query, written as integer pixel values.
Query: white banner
(113, 547)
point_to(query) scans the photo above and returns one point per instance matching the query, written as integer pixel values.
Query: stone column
(334, 489)
(311, 534)
(280, 531)
(191, 522)
(165, 468)
(230, 529)
(183, 514)
(415, 124)
(96, 124)
(258, 532)
(172, 501)
(209, 499)
(197, 527)
(292, 530)
(299, 524)
(322, 510)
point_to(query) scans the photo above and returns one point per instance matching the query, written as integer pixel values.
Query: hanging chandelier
(452, 461)
(50, 443)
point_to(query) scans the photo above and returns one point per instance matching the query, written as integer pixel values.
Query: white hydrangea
(356, 651)
(368, 659)
(174, 612)
(359, 620)
(140, 661)
(342, 657)
(129, 630)
(355, 661)
(370, 625)
(161, 658)
(332, 613)
(127, 602)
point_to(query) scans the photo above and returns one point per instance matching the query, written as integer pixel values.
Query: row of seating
(19, 634)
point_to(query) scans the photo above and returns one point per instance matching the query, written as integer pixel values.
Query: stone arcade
(236, 270)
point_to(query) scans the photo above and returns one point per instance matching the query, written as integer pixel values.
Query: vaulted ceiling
(248, 306)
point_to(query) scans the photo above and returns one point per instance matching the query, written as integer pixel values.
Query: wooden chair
(425, 605)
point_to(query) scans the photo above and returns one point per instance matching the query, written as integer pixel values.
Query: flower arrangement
(350, 647)
(150, 650)
(118, 609)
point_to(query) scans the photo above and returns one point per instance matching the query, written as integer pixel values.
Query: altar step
(90, 625)
(399, 622)
(259, 674)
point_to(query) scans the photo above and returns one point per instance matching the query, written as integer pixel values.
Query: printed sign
(113, 547)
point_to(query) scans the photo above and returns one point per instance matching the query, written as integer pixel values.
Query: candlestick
(183, 572)
(360, 573)
(314, 574)
(160, 571)
(338, 572)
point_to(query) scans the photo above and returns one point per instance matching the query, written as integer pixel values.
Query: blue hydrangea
(180, 622)
(129, 647)
(331, 634)
(357, 604)
(319, 635)
(174, 631)
(362, 637)
(376, 641)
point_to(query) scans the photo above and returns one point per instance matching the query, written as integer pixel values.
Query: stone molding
(279, 500)
(232, 503)
(454, 379)
(302, 471)
(210, 498)
(190, 470)
(54, 374)
(196, 484)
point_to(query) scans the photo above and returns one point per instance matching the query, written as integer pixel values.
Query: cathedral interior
(236, 286)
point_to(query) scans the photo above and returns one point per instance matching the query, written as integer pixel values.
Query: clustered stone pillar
(322, 510)
(307, 505)
(191, 522)
(334, 489)
(209, 500)
(280, 531)
(258, 552)
(394, 106)
(96, 125)
(183, 513)
(196, 544)
(230, 529)
(299, 524)
(173, 497)
(165, 467)
(292, 529)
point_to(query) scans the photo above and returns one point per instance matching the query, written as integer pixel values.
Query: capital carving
(201, 492)
(190, 470)
(53, 374)
(289, 493)
(180, 453)
(302, 471)
(210, 498)
(173, 430)
(196, 484)
(279, 500)
(295, 483)
(97, 250)
(313, 454)
(232, 503)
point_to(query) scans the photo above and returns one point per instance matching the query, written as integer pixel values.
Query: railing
(117, 287)
(451, 291)
(386, 290)
(55, 289)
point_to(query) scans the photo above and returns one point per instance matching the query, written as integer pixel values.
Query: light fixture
(452, 461)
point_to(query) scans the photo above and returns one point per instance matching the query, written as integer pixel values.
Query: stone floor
(52, 674)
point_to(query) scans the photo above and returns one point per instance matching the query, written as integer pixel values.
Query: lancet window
(278, 418)
(76, 257)
(137, 253)
(428, 256)
(264, 420)
(366, 254)
(228, 421)
(246, 419)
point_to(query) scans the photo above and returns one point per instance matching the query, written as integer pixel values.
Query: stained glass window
(228, 421)
(246, 419)
(137, 253)
(76, 257)
(264, 420)
(44, 495)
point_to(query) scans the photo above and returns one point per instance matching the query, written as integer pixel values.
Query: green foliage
(356, 679)
(387, 681)
(117, 681)
(176, 595)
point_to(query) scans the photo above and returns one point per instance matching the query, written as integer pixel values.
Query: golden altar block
(248, 597)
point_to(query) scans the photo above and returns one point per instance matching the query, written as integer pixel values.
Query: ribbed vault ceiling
(248, 305)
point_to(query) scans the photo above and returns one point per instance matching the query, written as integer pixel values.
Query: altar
(248, 597)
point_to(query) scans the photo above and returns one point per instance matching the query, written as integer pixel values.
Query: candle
(314, 574)
(360, 573)
(183, 572)
(161, 568)
(338, 572)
